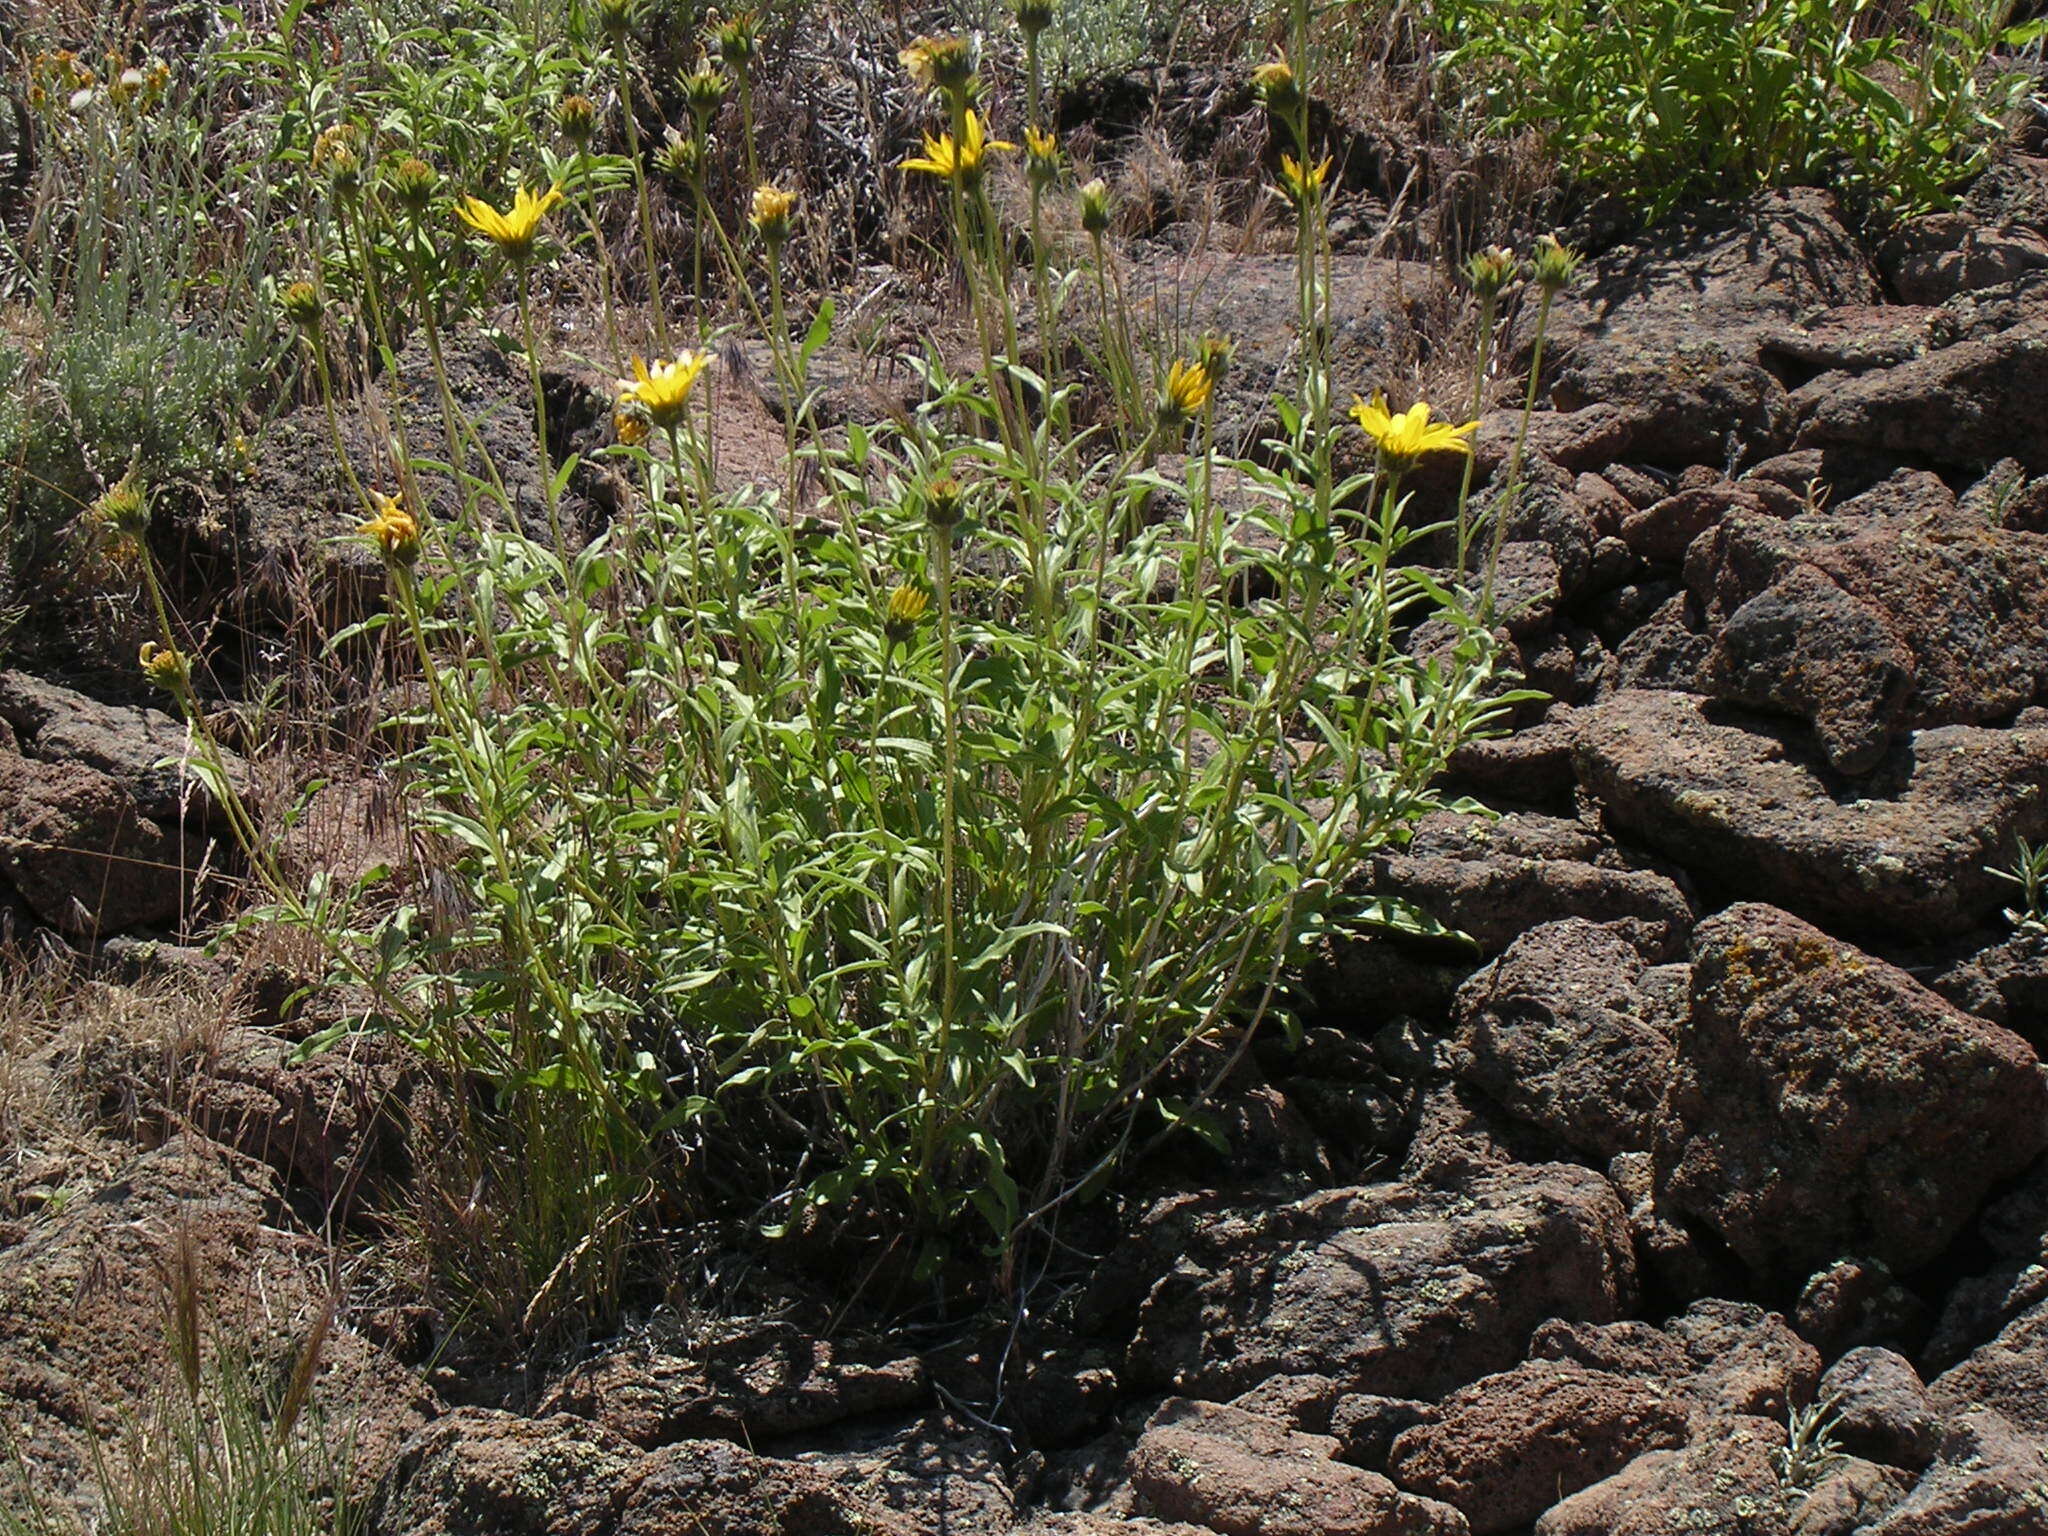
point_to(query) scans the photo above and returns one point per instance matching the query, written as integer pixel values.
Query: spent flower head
(302, 304)
(963, 160)
(394, 530)
(576, 117)
(1491, 270)
(165, 665)
(945, 501)
(1033, 16)
(413, 183)
(617, 18)
(770, 212)
(1095, 206)
(514, 230)
(663, 391)
(338, 155)
(1555, 264)
(738, 40)
(703, 90)
(942, 64)
(122, 509)
(1404, 437)
(681, 156)
(1212, 355)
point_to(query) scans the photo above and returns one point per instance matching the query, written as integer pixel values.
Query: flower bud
(1491, 270)
(1095, 206)
(302, 305)
(576, 117)
(945, 503)
(1555, 265)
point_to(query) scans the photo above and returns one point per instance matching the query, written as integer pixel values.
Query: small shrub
(1662, 101)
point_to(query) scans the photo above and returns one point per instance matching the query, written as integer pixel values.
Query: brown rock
(1987, 1481)
(1664, 530)
(1507, 1447)
(1752, 806)
(1826, 1103)
(1241, 1474)
(78, 850)
(1403, 1290)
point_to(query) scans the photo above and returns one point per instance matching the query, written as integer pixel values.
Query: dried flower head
(738, 41)
(617, 18)
(681, 156)
(1033, 16)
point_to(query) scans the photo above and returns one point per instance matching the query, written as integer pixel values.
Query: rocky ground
(1739, 1107)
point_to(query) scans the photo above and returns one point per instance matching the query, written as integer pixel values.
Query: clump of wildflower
(1555, 265)
(945, 502)
(1277, 89)
(394, 530)
(1491, 270)
(413, 183)
(963, 160)
(770, 213)
(302, 305)
(703, 91)
(166, 666)
(576, 117)
(1404, 437)
(1184, 394)
(1095, 206)
(515, 230)
(1041, 158)
(1303, 184)
(904, 611)
(663, 391)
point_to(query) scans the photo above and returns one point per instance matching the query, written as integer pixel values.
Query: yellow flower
(1404, 438)
(664, 390)
(1302, 183)
(629, 421)
(1276, 87)
(961, 161)
(165, 665)
(770, 213)
(1185, 393)
(1041, 157)
(513, 231)
(907, 605)
(393, 530)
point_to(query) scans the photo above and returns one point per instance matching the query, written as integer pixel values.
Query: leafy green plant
(1663, 101)
(2029, 872)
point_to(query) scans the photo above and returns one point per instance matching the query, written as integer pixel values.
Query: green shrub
(1662, 101)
